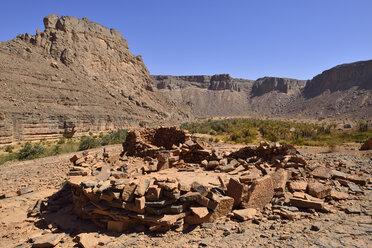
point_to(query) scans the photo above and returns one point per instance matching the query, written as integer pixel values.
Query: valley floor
(44, 177)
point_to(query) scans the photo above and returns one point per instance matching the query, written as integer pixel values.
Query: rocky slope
(342, 92)
(75, 77)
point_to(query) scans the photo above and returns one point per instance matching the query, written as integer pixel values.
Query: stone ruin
(164, 179)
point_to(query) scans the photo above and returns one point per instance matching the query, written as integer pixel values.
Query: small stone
(140, 204)
(322, 172)
(245, 214)
(353, 210)
(212, 164)
(304, 203)
(128, 192)
(118, 226)
(153, 193)
(142, 187)
(314, 228)
(336, 195)
(249, 178)
(104, 174)
(298, 186)
(318, 190)
(280, 178)
(87, 240)
(47, 240)
(169, 186)
(24, 191)
(355, 188)
(201, 212)
(197, 187)
(190, 196)
(175, 194)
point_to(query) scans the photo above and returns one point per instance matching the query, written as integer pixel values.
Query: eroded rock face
(341, 92)
(74, 77)
(341, 77)
(268, 84)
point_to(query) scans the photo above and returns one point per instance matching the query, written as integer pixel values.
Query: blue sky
(247, 39)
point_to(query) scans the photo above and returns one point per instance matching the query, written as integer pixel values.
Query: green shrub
(363, 126)
(30, 152)
(57, 149)
(88, 143)
(61, 141)
(9, 149)
(117, 137)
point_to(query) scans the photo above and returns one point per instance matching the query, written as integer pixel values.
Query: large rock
(260, 193)
(235, 190)
(367, 145)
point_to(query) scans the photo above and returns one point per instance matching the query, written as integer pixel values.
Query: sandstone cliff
(341, 77)
(342, 92)
(75, 77)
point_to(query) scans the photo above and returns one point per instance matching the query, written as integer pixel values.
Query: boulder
(259, 194)
(367, 145)
(235, 190)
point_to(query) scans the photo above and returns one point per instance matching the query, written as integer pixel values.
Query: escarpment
(344, 91)
(75, 77)
(341, 77)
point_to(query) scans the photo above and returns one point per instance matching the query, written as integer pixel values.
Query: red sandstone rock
(318, 190)
(260, 193)
(235, 190)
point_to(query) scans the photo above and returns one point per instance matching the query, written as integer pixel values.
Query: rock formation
(269, 84)
(123, 193)
(342, 92)
(75, 77)
(341, 77)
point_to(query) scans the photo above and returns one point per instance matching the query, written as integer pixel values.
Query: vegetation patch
(249, 130)
(45, 148)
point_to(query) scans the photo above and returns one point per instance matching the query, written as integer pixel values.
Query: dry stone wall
(121, 192)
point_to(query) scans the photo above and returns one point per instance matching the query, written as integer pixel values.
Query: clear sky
(247, 39)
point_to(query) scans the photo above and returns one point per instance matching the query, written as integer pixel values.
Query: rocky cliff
(76, 76)
(342, 92)
(341, 78)
(269, 84)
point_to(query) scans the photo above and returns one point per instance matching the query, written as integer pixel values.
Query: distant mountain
(344, 91)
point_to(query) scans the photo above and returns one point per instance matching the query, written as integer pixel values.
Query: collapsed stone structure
(165, 179)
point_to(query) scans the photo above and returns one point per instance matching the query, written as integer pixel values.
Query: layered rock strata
(341, 92)
(75, 77)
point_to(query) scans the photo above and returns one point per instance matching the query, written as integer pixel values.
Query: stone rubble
(180, 182)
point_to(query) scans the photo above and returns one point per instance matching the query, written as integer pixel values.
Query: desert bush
(30, 151)
(363, 126)
(57, 149)
(116, 137)
(61, 141)
(9, 149)
(88, 143)
(247, 130)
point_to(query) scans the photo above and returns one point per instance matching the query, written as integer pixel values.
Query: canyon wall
(76, 77)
